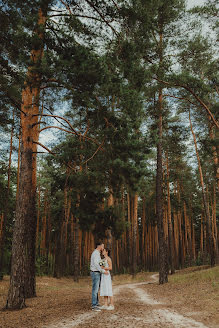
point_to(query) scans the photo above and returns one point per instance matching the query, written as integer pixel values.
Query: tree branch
(103, 18)
(41, 145)
(72, 132)
(88, 127)
(49, 151)
(55, 117)
(77, 15)
(194, 95)
(181, 98)
(62, 118)
(56, 127)
(115, 4)
(51, 86)
(94, 153)
(66, 6)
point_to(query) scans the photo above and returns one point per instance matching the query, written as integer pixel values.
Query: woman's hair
(108, 251)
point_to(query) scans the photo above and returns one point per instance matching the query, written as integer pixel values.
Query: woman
(106, 282)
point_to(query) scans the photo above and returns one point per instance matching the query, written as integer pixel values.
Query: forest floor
(190, 299)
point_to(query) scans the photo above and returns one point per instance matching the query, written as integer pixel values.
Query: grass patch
(206, 275)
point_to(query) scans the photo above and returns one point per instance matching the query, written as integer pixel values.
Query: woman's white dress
(106, 284)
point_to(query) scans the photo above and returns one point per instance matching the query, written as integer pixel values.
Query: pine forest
(109, 131)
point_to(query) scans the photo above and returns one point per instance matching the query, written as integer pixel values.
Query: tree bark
(163, 256)
(206, 209)
(143, 223)
(135, 227)
(163, 262)
(5, 216)
(179, 217)
(129, 231)
(170, 229)
(110, 203)
(18, 164)
(214, 223)
(22, 280)
(214, 150)
(187, 233)
(17, 293)
(76, 250)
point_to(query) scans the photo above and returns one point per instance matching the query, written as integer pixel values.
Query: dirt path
(135, 308)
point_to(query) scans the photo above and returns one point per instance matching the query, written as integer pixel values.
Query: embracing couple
(101, 278)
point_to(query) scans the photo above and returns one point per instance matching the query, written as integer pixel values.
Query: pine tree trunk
(143, 223)
(2, 232)
(71, 257)
(176, 234)
(135, 227)
(146, 248)
(48, 236)
(4, 222)
(44, 227)
(129, 232)
(179, 216)
(214, 223)
(214, 151)
(163, 262)
(76, 250)
(18, 164)
(201, 238)
(193, 242)
(109, 239)
(57, 255)
(204, 238)
(117, 255)
(206, 209)
(110, 203)
(163, 255)
(17, 293)
(170, 229)
(149, 248)
(22, 281)
(38, 221)
(188, 239)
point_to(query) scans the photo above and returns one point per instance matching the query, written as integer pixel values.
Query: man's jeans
(95, 276)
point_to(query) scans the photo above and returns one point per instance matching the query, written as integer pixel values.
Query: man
(96, 271)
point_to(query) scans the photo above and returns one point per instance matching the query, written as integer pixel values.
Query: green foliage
(209, 11)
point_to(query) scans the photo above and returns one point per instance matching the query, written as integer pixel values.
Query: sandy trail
(138, 310)
(166, 317)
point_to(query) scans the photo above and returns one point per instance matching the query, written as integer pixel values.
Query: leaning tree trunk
(206, 208)
(22, 280)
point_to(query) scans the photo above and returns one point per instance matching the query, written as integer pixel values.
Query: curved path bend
(135, 308)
